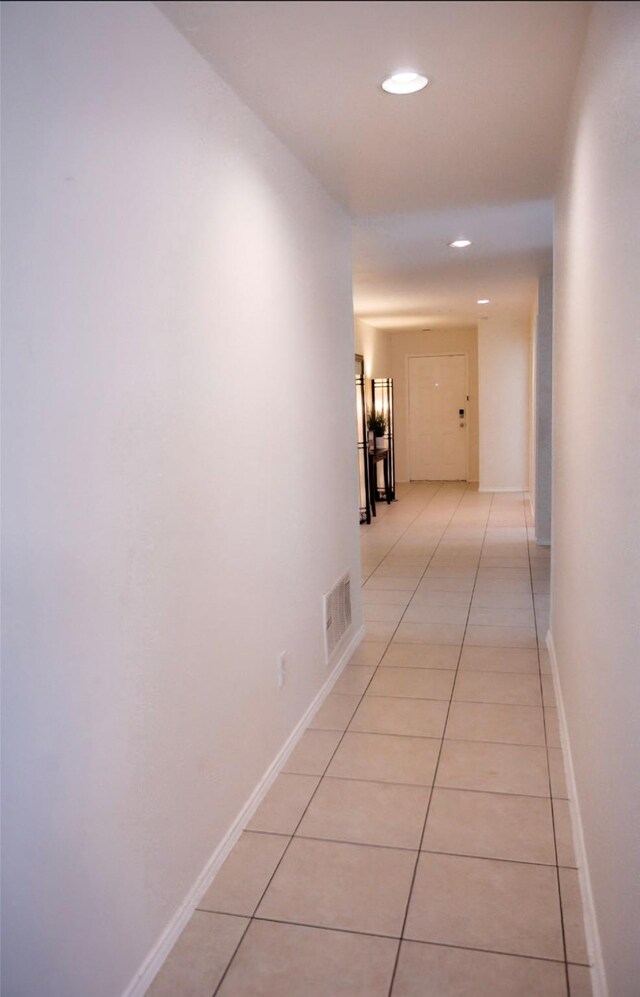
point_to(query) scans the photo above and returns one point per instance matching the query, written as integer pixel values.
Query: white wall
(405, 344)
(595, 610)
(504, 393)
(375, 346)
(541, 483)
(177, 325)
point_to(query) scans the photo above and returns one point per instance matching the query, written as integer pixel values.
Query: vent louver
(337, 615)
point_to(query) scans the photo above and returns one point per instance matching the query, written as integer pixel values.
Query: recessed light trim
(460, 243)
(484, 301)
(404, 81)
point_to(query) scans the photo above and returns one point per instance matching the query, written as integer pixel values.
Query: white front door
(437, 430)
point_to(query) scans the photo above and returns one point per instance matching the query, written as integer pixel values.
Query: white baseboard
(154, 960)
(427, 481)
(487, 488)
(594, 947)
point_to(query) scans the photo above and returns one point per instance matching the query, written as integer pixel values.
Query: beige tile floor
(418, 842)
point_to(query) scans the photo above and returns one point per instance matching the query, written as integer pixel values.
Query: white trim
(160, 950)
(594, 947)
(422, 356)
(486, 488)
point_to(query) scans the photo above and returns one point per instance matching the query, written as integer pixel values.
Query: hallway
(426, 802)
(210, 209)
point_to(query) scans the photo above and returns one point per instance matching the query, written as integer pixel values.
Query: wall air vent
(337, 616)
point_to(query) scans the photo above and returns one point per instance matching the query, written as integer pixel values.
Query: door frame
(433, 354)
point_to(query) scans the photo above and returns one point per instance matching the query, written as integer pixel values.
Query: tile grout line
(427, 737)
(435, 772)
(441, 699)
(394, 848)
(414, 785)
(390, 640)
(553, 818)
(408, 527)
(394, 938)
(442, 533)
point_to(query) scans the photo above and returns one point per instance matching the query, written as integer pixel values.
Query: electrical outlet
(281, 669)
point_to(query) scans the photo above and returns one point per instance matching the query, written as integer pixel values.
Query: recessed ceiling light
(406, 81)
(460, 243)
(483, 301)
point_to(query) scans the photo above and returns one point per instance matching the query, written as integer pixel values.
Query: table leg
(373, 483)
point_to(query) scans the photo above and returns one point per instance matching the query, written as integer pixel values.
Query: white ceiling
(407, 277)
(414, 171)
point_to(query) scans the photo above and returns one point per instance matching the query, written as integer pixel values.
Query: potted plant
(377, 424)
